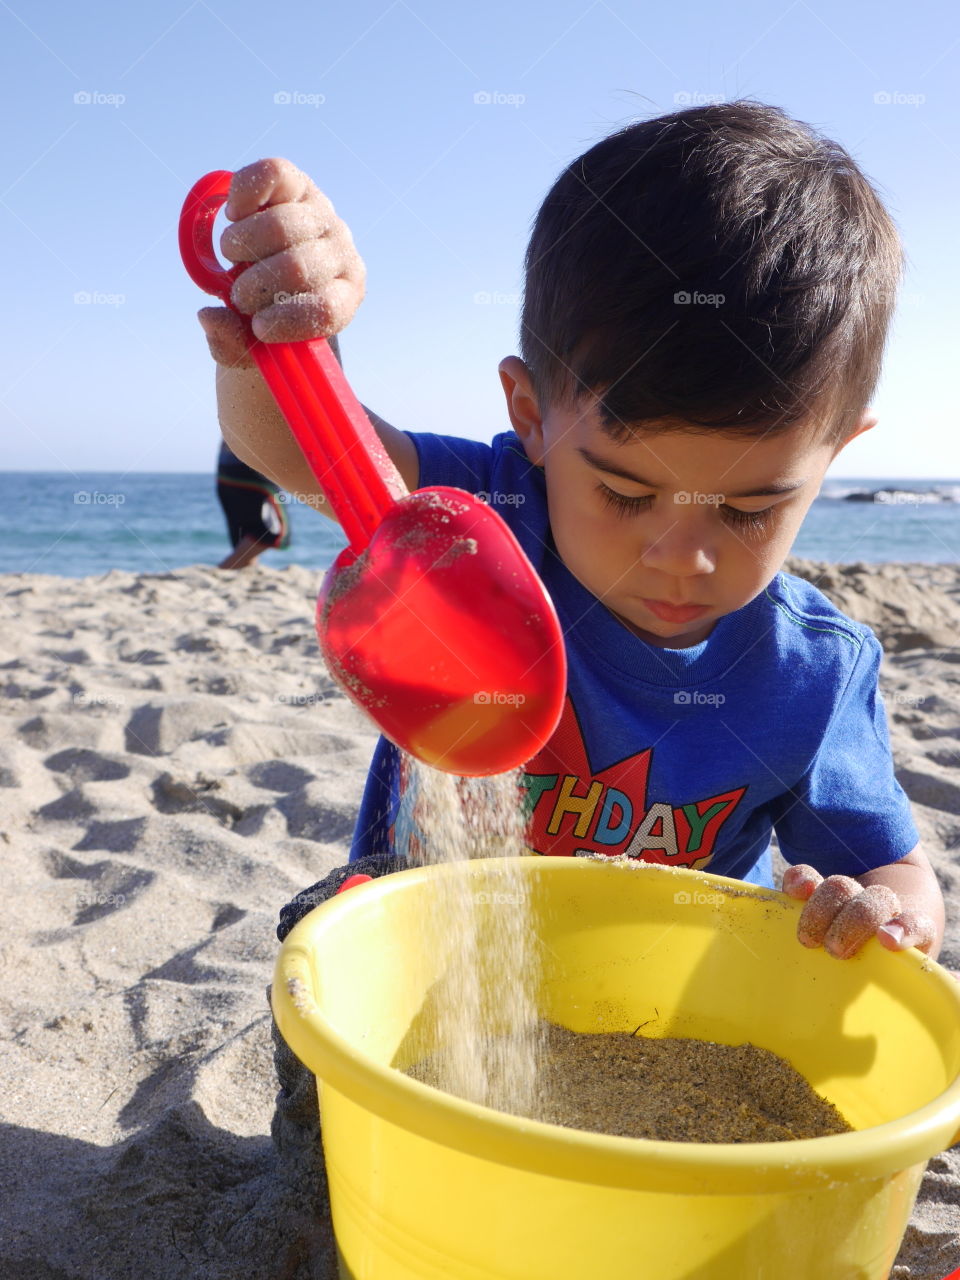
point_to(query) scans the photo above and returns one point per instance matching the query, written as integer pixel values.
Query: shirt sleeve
(848, 813)
(449, 460)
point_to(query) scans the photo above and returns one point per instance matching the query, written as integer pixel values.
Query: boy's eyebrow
(601, 464)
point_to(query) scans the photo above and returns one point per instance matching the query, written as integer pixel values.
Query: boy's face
(667, 518)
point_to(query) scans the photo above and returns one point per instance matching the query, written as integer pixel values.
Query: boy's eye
(746, 519)
(624, 506)
(620, 503)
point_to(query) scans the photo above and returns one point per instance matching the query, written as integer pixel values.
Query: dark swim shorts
(252, 504)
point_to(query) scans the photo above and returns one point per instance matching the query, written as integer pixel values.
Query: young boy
(706, 304)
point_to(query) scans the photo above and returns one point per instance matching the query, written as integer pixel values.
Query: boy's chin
(665, 635)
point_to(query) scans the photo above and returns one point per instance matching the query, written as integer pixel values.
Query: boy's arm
(849, 802)
(257, 432)
(305, 280)
(900, 902)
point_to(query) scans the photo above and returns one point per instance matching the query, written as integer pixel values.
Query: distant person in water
(255, 516)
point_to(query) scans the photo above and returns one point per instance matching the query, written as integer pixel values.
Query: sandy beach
(174, 765)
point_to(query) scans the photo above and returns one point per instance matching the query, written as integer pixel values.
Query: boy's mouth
(674, 612)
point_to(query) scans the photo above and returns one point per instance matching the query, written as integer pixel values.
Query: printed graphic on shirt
(574, 810)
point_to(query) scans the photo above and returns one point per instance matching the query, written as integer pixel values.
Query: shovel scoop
(432, 619)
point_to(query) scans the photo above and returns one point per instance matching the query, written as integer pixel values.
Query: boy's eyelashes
(626, 506)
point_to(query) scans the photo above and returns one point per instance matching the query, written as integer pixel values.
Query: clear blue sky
(439, 189)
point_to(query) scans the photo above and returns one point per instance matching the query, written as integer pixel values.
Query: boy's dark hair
(734, 200)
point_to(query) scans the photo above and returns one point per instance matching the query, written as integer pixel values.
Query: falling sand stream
(485, 1017)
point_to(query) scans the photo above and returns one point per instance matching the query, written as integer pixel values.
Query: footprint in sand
(122, 836)
(83, 765)
(278, 775)
(107, 886)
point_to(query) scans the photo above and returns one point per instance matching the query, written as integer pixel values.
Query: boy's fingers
(908, 929)
(800, 881)
(226, 337)
(829, 898)
(270, 181)
(860, 919)
(313, 268)
(307, 315)
(272, 230)
(304, 268)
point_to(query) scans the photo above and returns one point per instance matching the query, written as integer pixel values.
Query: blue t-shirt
(689, 757)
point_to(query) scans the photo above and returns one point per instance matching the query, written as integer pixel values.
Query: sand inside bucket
(673, 1090)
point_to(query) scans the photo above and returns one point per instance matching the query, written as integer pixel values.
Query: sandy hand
(307, 279)
(841, 914)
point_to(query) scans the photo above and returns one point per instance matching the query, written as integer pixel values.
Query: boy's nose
(679, 552)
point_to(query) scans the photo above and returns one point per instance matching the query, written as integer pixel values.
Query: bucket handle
(292, 995)
(296, 982)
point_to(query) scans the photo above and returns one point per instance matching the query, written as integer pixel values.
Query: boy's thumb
(226, 337)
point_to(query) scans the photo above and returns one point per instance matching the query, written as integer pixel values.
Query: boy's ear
(868, 418)
(522, 406)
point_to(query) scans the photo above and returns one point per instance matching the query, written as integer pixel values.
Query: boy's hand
(841, 914)
(307, 279)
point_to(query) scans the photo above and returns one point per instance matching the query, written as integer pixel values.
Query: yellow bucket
(424, 1185)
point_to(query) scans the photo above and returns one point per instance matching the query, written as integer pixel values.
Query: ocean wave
(892, 494)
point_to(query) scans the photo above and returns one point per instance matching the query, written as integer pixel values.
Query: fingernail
(893, 931)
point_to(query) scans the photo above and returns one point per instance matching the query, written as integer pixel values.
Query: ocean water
(87, 523)
(76, 525)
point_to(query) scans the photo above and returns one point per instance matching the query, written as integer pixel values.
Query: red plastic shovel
(432, 619)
